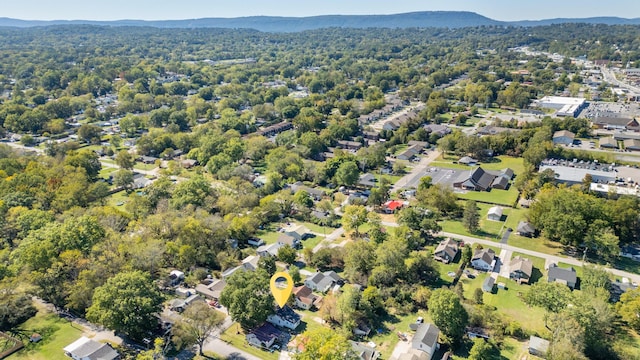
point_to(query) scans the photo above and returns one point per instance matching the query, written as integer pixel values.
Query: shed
(538, 346)
(487, 285)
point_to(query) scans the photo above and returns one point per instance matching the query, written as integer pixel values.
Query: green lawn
(577, 268)
(318, 229)
(508, 302)
(497, 163)
(495, 196)
(489, 229)
(539, 271)
(56, 334)
(118, 199)
(237, 339)
(269, 236)
(105, 172)
(312, 242)
(141, 166)
(387, 339)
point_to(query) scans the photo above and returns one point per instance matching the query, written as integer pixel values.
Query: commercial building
(564, 106)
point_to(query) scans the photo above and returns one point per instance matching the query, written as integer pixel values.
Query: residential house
(495, 213)
(349, 145)
(563, 276)
(483, 259)
(140, 181)
(179, 305)
(269, 250)
(250, 263)
(188, 163)
(285, 317)
(426, 339)
(446, 251)
(564, 137)
(264, 336)
(255, 242)
(538, 346)
(148, 159)
(286, 239)
(364, 352)
(316, 194)
(211, 288)
(87, 349)
(413, 354)
(298, 232)
(525, 228)
(631, 252)
(520, 269)
(620, 287)
(305, 298)
(391, 206)
(367, 180)
(408, 154)
(488, 283)
(323, 282)
(608, 143)
(371, 135)
(175, 277)
(275, 129)
(440, 130)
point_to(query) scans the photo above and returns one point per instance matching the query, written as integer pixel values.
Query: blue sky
(186, 9)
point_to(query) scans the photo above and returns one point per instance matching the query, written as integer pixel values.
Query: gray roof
(488, 283)
(467, 160)
(487, 255)
(93, 350)
(539, 344)
(286, 239)
(449, 246)
(501, 181)
(567, 275)
(521, 264)
(608, 142)
(564, 133)
(525, 227)
(576, 175)
(476, 178)
(426, 334)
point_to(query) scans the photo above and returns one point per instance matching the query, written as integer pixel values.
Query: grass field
(490, 230)
(56, 334)
(118, 199)
(142, 166)
(495, 196)
(508, 302)
(237, 339)
(387, 339)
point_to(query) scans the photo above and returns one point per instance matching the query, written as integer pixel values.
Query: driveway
(401, 347)
(412, 179)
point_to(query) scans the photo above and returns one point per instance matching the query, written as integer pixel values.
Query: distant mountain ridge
(423, 19)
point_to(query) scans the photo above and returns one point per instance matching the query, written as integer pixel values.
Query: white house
(483, 259)
(285, 317)
(87, 349)
(426, 339)
(495, 213)
(322, 282)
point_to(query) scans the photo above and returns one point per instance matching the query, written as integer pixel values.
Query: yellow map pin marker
(281, 290)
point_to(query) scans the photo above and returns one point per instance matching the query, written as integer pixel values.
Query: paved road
(549, 258)
(412, 179)
(610, 77)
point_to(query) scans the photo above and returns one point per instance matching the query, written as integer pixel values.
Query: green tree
(347, 173)
(127, 303)
(90, 133)
(125, 159)
(353, 217)
(247, 297)
(294, 272)
(198, 321)
(629, 308)
(482, 350)
(325, 344)
(447, 314)
(471, 216)
(15, 308)
(123, 178)
(359, 260)
(287, 254)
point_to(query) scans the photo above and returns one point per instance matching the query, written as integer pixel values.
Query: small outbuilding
(538, 346)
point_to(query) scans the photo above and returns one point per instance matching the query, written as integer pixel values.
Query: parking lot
(443, 176)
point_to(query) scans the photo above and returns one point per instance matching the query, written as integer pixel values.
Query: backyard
(56, 334)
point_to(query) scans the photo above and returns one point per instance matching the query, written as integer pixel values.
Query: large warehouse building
(565, 106)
